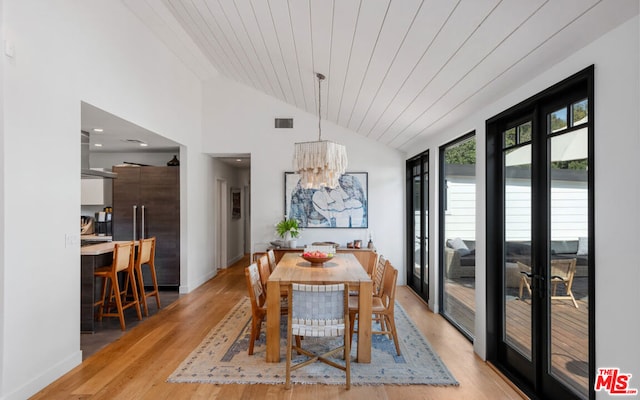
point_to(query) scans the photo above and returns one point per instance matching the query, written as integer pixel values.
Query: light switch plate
(71, 240)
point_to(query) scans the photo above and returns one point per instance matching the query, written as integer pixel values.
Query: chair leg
(256, 324)
(154, 280)
(287, 384)
(115, 290)
(143, 296)
(134, 290)
(391, 323)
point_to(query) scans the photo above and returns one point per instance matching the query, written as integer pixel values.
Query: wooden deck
(569, 330)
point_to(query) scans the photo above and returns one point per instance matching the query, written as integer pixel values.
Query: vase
(292, 243)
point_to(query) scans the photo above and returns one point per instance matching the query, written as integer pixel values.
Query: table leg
(364, 322)
(273, 321)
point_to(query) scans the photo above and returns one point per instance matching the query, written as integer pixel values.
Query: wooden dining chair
(258, 298)
(123, 261)
(382, 306)
(265, 271)
(146, 256)
(271, 255)
(318, 311)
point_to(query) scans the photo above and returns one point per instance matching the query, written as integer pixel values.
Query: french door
(418, 224)
(540, 241)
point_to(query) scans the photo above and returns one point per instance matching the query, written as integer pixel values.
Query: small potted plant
(288, 230)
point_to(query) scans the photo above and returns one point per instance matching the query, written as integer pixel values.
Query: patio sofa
(461, 262)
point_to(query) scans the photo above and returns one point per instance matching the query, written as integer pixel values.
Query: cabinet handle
(135, 212)
(142, 224)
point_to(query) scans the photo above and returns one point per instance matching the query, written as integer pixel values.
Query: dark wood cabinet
(155, 193)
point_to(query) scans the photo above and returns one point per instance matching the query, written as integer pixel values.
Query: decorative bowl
(317, 261)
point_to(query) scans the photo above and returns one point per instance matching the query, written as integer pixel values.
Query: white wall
(617, 140)
(67, 52)
(242, 121)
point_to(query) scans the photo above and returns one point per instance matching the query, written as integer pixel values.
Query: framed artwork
(235, 203)
(343, 207)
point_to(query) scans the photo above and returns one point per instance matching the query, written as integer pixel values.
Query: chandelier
(320, 163)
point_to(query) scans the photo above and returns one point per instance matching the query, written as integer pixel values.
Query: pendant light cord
(320, 79)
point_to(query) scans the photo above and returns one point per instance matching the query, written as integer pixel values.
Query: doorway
(418, 224)
(540, 243)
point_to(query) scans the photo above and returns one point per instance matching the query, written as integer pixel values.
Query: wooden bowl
(317, 261)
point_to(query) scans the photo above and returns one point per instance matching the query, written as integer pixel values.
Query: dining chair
(382, 306)
(271, 255)
(378, 274)
(258, 299)
(265, 271)
(318, 311)
(123, 261)
(146, 256)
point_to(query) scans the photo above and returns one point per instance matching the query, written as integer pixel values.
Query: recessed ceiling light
(98, 130)
(238, 159)
(97, 145)
(143, 145)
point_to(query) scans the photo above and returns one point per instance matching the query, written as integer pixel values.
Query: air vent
(286, 123)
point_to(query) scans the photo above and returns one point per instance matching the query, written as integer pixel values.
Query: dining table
(343, 267)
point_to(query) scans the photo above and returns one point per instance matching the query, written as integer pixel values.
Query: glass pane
(557, 120)
(417, 193)
(524, 133)
(568, 251)
(425, 240)
(459, 229)
(509, 138)
(579, 113)
(517, 250)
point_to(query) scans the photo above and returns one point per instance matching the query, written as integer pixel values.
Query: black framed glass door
(540, 244)
(418, 224)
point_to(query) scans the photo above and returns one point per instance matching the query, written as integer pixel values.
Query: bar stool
(146, 255)
(122, 262)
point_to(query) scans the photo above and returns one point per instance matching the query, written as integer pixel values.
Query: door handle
(142, 213)
(135, 215)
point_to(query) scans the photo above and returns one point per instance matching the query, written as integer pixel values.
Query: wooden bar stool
(146, 256)
(122, 262)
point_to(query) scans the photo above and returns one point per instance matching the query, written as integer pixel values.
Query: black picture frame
(345, 207)
(236, 202)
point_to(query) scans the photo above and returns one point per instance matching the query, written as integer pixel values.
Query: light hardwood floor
(137, 365)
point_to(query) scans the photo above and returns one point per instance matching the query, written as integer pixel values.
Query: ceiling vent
(286, 123)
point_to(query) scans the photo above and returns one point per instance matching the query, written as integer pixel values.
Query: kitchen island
(92, 257)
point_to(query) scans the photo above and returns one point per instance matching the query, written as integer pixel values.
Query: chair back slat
(388, 289)
(272, 259)
(146, 250)
(264, 270)
(254, 286)
(378, 274)
(122, 256)
(318, 310)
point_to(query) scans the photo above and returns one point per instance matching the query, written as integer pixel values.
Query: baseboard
(46, 378)
(507, 380)
(184, 289)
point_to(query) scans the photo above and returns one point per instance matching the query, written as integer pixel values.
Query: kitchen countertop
(98, 248)
(95, 238)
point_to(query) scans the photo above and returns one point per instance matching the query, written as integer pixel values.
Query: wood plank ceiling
(397, 70)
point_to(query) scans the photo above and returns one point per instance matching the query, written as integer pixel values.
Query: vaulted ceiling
(396, 69)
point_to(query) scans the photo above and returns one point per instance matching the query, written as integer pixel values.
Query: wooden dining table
(342, 267)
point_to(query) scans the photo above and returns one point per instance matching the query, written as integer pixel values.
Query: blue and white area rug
(222, 358)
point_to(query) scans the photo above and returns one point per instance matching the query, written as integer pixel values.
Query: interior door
(541, 295)
(418, 224)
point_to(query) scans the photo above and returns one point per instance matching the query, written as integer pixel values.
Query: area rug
(222, 358)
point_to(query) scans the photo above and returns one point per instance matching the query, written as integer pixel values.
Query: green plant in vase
(288, 229)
